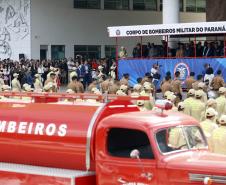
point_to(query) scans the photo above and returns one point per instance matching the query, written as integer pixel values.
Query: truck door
(124, 156)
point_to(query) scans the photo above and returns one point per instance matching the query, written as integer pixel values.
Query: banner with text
(168, 29)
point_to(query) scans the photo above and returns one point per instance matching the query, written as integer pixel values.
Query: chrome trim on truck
(89, 135)
(201, 177)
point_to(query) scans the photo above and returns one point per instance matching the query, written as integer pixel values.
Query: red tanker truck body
(50, 135)
(108, 144)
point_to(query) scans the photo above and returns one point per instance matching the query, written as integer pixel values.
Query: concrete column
(130, 4)
(102, 51)
(49, 52)
(171, 10)
(102, 4)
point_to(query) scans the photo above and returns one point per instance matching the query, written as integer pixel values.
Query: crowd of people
(151, 50)
(205, 101)
(30, 71)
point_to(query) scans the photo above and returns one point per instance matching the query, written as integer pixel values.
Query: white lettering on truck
(33, 128)
(62, 130)
(50, 129)
(11, 127)
(22, 128)
(30, 128)
(2, 126)
(39, 129)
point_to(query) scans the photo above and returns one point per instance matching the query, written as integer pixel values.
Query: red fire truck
(105, 144)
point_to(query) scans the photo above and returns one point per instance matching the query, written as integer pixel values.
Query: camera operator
(155, 73)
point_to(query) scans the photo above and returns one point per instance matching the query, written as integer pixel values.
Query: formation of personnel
(204, 102)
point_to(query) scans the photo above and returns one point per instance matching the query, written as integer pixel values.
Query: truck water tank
(45, 134)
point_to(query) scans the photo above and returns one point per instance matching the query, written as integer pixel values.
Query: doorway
(43, 52)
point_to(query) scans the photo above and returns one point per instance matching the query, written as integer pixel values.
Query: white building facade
(15, 28)
(55, 29)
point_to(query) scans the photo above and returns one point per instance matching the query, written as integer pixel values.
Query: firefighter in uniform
(16, 87)
(136, 93)
(140, 104)
(209, 125)
(217, 81)
(49, 87)
(125, 80)
(52, 81)
(172, 99)
(197, 106)
(106, 84)
(27, 88)
(120, 93)
(137, 88)
(176, 87)
(221, 101)
(190, 80)
(114, 87)
(177, 139)
(189, 101)
(38, 83)
(5, 88)
(70, 91)
(124, 88)
(211, 103)
(181, 107)
(201, 87)
(96, 92)
(148, 104)
(195, 84)
(92, 85)
(218, 144)
(75, 85)
(166, 85)
(166, 94)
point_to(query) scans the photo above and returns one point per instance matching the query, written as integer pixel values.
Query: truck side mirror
(135, 154)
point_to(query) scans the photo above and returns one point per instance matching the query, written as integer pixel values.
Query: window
(121, 142)
(110, 51)
(180, 138)
(57, 52)
(145, 5)
(181, 5)
(201, 5)
(116, 4)
(196, 6)
(87, 4)
(88, 52)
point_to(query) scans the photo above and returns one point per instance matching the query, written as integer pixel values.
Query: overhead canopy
(199, 28)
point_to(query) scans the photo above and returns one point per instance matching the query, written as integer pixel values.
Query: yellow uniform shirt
(218, 140)
(16, 87)
(208, 126)
(148, 104)
(221, 103)
(176, 138)
(197, 107)
(187, 105)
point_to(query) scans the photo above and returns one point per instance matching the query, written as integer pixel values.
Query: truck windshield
(180, 138)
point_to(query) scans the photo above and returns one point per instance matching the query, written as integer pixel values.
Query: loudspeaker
(21, 56)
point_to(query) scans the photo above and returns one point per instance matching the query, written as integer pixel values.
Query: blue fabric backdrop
(138, 68)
